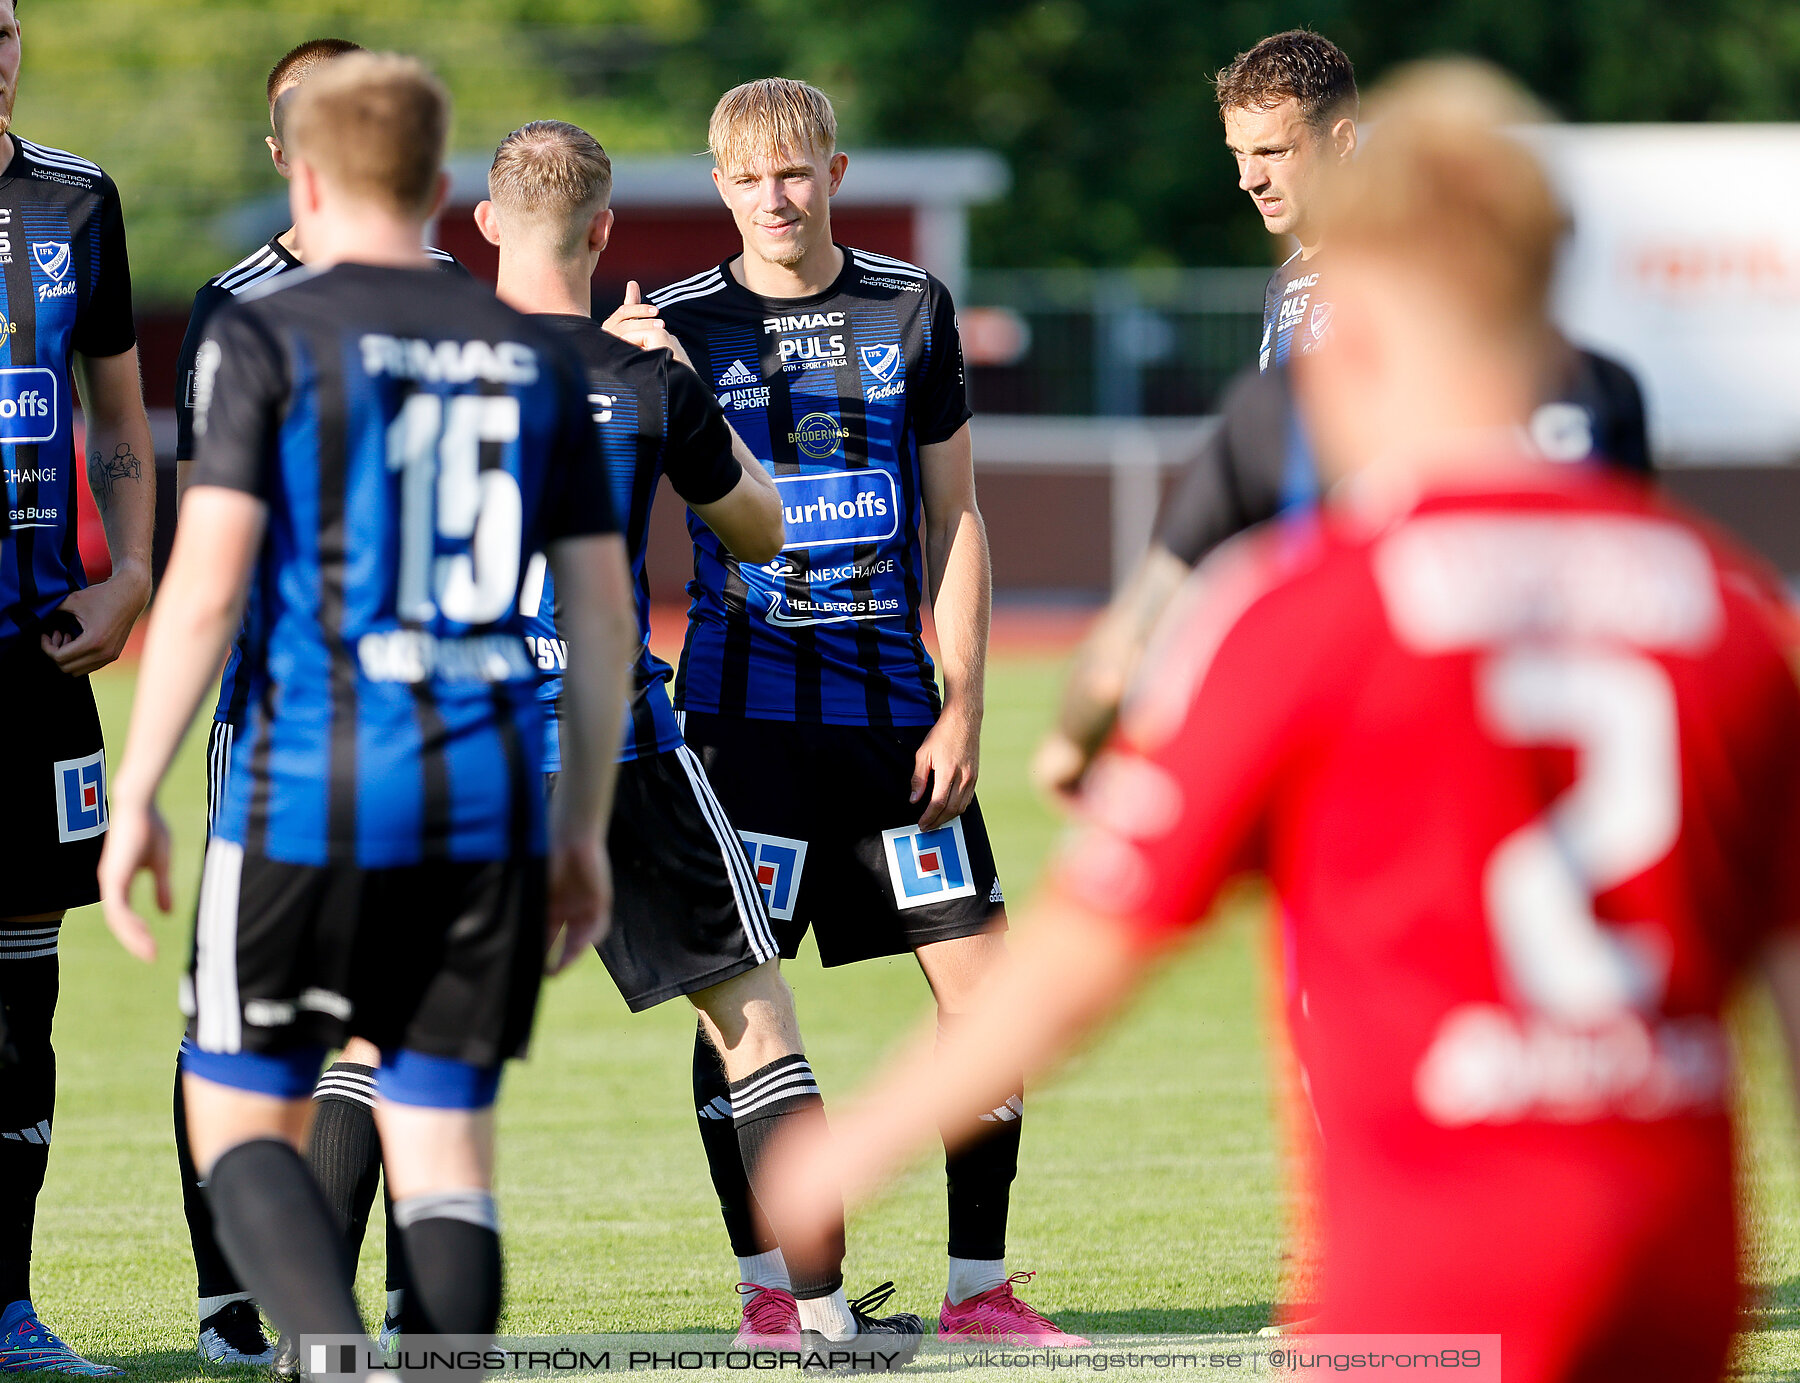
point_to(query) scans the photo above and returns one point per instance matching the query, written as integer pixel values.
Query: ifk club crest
(52, 257)
(882, 361)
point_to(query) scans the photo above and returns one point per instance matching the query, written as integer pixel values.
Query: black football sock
(784, 1095)
(344, 1150)
(979, 1180)
(452, 1247)
(744, 1222)
(28, 984)
(279, 1236)
(396, 1256)
(214, 1278)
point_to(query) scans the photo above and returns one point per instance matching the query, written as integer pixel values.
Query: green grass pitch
(1148, 1198)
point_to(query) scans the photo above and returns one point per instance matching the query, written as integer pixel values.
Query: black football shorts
(442, 958)
(53, 785)
(686, 912)
(834, 843)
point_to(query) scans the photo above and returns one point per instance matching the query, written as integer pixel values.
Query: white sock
(207, 1306)
(395, 1298)
(970, 1277)
(765, 1270)
(830, 1316)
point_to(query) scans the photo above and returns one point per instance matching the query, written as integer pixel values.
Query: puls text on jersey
(811, 350)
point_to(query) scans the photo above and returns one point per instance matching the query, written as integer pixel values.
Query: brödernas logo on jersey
(28, 411)
(838, 508)
(819, 435)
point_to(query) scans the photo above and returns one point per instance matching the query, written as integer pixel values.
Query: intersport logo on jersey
(836, 508)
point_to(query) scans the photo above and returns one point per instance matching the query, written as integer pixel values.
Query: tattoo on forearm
(104, 472)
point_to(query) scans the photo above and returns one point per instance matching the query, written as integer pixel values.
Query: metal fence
(1114, 342)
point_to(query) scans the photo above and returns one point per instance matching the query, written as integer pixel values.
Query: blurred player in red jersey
(1518, 748)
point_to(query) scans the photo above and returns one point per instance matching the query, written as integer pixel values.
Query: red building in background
(670, 222)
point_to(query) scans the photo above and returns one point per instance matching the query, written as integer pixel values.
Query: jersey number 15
(445, 496)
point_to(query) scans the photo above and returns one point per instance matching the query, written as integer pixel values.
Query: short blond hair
(768, 118)
(374, 125)
(554, 175)
(1443, 185)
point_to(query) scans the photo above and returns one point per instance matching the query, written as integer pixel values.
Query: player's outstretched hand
(136, 839)
(946, 766)
(580, 902)
(1058, 767)
(641, 324)
(95, 623)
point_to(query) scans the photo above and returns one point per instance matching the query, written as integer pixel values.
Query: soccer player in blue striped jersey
(805, 685)
(688, 915)
(65, 324)
(342, 1147)
(384, 450)
(1289, 105)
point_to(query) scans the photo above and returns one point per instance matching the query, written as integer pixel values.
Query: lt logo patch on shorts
(928, 866)
(776, 863)
(81, 797)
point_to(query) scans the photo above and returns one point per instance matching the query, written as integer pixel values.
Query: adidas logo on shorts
(995, 896)
(738, 373)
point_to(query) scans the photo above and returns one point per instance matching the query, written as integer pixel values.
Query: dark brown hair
(297, 64)
(1297, 63)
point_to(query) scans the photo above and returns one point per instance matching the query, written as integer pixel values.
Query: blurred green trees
(1103, 107)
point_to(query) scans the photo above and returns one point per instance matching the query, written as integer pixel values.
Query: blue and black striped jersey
(1296, 319)
(415, 442)
(835, 394)
(67, 288)
(654, 418)
(250, 272)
